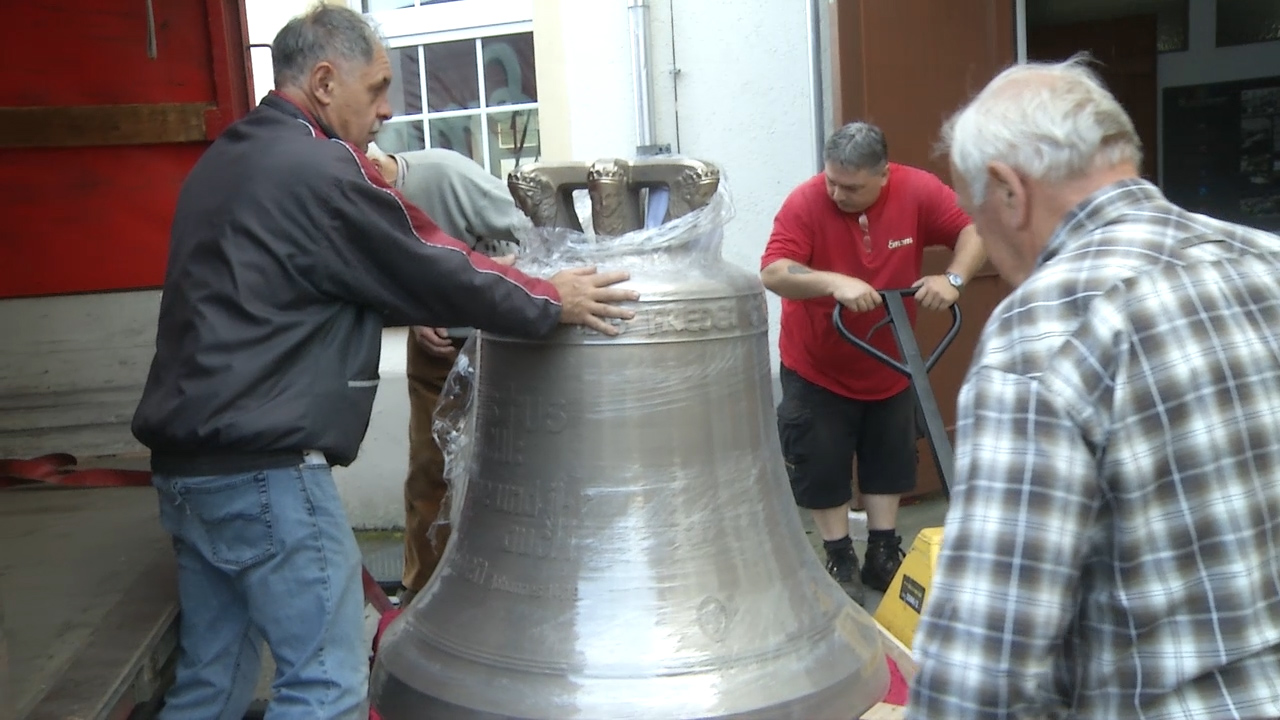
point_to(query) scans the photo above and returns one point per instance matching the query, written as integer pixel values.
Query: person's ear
(1007, 195)
(323, 82)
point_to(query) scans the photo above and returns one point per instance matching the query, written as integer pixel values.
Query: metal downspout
(638, 15)
(817, 116)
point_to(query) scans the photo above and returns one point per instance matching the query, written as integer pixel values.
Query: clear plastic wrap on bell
(626, 544)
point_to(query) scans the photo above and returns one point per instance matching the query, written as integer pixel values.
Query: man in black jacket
(289, 253)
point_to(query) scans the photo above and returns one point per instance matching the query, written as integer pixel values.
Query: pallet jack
(899, 611)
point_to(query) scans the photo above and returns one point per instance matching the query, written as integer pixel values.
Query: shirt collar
(1098, 210)
(402, 169)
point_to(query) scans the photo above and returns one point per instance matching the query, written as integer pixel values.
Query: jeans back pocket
(234, 512)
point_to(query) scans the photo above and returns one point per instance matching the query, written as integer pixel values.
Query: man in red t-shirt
(858, 227)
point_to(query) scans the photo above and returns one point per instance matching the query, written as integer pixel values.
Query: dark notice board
(1222, 150)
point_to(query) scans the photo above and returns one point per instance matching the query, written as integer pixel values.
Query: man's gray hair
(326, 32)
(1048, 121)
(857, 146)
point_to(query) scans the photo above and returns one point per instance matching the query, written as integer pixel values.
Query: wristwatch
(956, 281)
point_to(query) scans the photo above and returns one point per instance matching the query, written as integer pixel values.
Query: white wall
(730, 87)
(1203, 63)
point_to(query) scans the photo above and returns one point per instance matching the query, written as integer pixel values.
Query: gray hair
(326, 32)
(857, 146)
(1049, 121)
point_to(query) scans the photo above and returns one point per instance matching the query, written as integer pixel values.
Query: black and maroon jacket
(288, 255)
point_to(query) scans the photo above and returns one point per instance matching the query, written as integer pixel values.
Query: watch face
(954, 279)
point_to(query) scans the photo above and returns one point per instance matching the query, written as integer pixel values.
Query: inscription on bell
(688, 317)
(688, 320)
(476, 570)
(545, 509)
(526, 412)
(501, 443)
(510, 499)
(532, 542)
(510, 416)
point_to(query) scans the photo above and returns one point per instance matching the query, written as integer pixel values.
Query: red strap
(58, 469)
(373, 594)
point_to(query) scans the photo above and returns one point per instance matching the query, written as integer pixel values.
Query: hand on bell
(855, 294)
(586, 298)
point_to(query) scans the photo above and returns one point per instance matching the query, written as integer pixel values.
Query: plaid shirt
(1112, 547)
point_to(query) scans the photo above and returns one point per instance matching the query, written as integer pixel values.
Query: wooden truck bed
(89, 600)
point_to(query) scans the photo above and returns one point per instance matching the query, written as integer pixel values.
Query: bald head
(1050, 122)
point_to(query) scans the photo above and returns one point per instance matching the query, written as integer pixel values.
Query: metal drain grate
(385, 562)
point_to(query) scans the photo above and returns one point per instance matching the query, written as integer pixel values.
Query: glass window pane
(380, 5)
(1241, 22)
(513, 140)
(401, 136)
(406, 81)
(509, 74)
(452, 80)
(460, 134)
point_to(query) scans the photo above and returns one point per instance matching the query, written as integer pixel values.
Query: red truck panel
(96, 135)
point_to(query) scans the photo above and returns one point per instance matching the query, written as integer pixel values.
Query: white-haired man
(1111, 544)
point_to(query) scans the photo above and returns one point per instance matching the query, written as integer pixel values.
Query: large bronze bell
(627, 546)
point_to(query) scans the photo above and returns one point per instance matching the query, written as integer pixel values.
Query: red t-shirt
(915, 209)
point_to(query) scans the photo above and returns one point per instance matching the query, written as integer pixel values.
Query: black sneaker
(842, 563)
(884, 557)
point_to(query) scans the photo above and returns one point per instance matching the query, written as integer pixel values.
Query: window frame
(455, 21)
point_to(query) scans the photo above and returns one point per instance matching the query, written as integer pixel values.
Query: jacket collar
(278, 102)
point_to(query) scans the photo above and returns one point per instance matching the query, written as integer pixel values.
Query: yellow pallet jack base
(899, 611)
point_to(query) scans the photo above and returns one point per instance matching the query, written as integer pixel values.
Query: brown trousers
(425, 487)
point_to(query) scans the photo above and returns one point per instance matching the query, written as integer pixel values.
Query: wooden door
(1126, 49)
(907, 65)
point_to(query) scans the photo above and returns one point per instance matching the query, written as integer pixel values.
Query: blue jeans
(265, 555)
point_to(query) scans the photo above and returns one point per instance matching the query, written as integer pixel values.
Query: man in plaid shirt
(1112, 548)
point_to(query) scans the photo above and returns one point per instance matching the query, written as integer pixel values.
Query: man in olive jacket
(473, 206)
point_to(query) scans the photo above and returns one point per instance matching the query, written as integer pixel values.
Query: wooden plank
(125, 661)
(102, 125)
(885, 711)
(902, 656)
(89, 597)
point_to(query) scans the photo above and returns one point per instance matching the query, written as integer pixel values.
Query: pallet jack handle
(915, 367)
